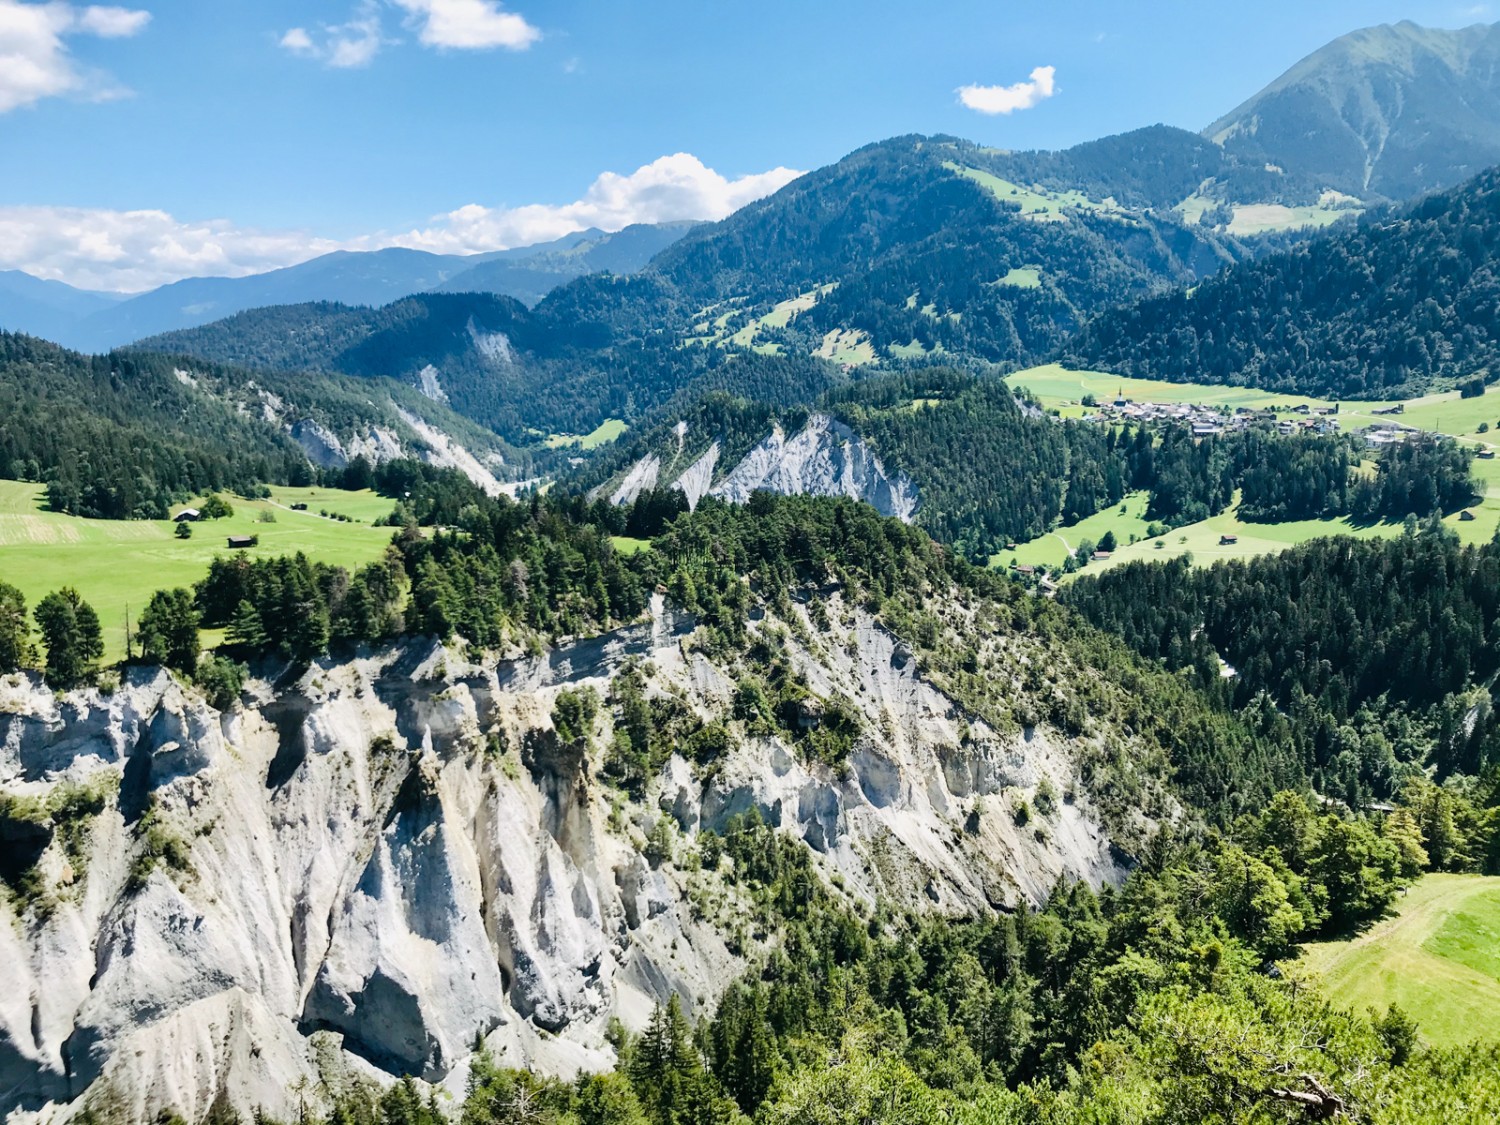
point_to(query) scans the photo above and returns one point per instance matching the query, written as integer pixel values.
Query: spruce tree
(15, 630)
(70, 631)
(168, 630)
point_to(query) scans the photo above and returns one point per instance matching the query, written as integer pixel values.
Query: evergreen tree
(168, 630)
(72, 636)
(15, 630)
(245, 629)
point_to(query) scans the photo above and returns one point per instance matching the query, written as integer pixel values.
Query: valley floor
(1445, 413)
(118, 564)
(1438, 958)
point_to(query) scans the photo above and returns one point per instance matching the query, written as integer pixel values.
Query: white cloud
(298, 41)
(133, 250)
(1008, 99)
(34, 59)
(672, 187)
(343, 46)
(468, 24)
(112, 23)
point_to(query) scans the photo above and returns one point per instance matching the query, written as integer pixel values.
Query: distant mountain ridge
(98, 322)
(905, 249)
(1393, 111)
(47, 308)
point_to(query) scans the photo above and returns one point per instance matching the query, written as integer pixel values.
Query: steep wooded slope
(1407, 300)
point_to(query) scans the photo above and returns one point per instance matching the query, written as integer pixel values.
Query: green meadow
(1060, 388)
(1438, 957)
(607, 431)
(628, 545)
(117, 564)
(1125, 519)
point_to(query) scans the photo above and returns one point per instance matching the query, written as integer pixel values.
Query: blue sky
(258, 133)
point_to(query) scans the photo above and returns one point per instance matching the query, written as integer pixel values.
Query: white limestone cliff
(395, 855)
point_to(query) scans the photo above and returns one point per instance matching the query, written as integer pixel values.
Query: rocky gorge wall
(824, 458)
(365, 871)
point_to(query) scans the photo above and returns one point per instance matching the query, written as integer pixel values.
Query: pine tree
(245, 629)
(15, 630)
(70, 631)
(168, 630)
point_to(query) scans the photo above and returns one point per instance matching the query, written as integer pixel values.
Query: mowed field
(1124, 519)
(1438, 958)
(1445, 413)
(117, 564)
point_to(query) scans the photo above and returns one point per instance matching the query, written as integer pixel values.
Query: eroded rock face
(397, 855)
(824, 458)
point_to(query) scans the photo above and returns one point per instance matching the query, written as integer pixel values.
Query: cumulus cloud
(468, 25)
(34, 59)
(343, 46)
(133, 250)
(112, 23)
(1008, 99)
(672, 187)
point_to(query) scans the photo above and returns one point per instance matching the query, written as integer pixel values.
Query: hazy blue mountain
(1391, 111)
(45, 308)
(348, 277)
(531, 277)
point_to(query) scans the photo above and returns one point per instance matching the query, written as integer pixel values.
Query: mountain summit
(1393, 110)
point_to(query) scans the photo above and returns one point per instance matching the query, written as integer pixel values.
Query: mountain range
(677, 748)
(1389, 111)
(91, 321)
(1382, 114)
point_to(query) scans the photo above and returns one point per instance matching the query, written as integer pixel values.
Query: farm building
(1466, 515)
(188, 515)
(1228, 540)
(242, 542)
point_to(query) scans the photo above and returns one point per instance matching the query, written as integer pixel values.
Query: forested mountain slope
(926, 246)
(522, 372)
(1378, 653)
(1407, 300)
(903, 249)
(1389, 111)
(123, 436)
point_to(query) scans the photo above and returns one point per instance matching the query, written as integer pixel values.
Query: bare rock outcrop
(396, 855)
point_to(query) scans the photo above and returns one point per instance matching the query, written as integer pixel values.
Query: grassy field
(1022, 277)
(627, 545)
(1060, 387)
(609, 430)
(851, 346)
(1438, 958)
(1045, 206)
(117, 564)
(1447, 413)
(1051, 550)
